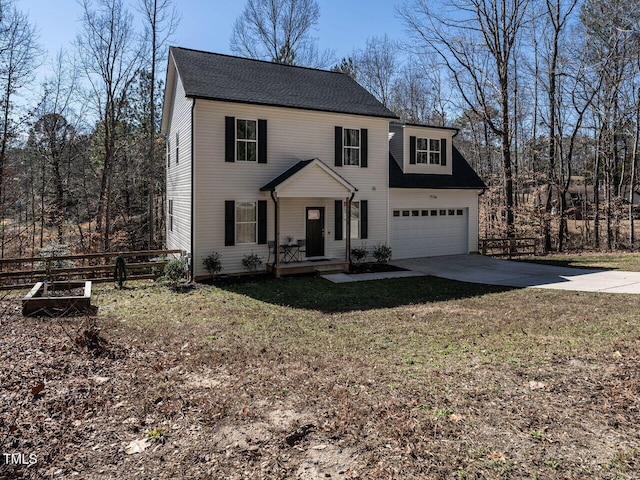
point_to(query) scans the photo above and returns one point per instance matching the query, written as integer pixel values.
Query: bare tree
(19, 54)
(110, 53)
(279, 31)
(376, 67)
(476, 41)
(160, 22)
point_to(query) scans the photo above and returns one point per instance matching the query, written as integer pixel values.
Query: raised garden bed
(58, 298)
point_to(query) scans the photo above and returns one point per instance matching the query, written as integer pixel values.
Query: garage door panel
(428, 235)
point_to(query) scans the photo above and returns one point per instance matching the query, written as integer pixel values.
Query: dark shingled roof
(464, 177)
(222, 77)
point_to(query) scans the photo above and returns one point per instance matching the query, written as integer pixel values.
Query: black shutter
(412, 150)
(338, 217)
(262, 141)
(443, 152)
(229, 222)
(364, 147)
(339, 145)
(230, 139)
(364, 219)
(262, 222)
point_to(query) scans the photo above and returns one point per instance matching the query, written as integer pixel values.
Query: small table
(290, 253)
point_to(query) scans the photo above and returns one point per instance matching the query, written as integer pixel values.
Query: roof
(222, 77)
(292, 171)
(463, 177)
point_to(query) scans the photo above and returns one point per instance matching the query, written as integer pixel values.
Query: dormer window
(428, 151)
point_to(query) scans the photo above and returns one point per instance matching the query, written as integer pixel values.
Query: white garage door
(429, 232)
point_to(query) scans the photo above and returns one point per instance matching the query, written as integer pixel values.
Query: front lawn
(299, 378)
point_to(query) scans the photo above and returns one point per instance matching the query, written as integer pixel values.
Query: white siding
(418, 199)
(293, 135)
(179, 174)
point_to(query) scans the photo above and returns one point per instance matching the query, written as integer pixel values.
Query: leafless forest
(546, 94)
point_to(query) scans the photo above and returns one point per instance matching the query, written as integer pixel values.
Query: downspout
(276, 247)
(193, 167)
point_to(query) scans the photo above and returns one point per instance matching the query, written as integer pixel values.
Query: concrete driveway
(493, 271)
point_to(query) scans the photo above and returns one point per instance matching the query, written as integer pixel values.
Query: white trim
(344, 146)
(323, 166)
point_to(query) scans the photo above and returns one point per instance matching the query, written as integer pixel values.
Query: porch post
(276, 221)
(348, 230)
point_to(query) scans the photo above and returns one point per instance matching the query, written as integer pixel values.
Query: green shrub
(358, 254)
(382, 253)
(212, 263)
(175, 270)
(252, 262)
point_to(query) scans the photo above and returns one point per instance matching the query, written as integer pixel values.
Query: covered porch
(310, 203)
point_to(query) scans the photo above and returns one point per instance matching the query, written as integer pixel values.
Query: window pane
(242, 129)
(351, 156)
(421, 157)
(434, 213)
(396, 213)
(421, 143)
(242, 151)
(434, 158)
(351, 137)
(246, 232)
(415, 213)
(246, 212)
(251, 129)
(435, 145)
(251, 151)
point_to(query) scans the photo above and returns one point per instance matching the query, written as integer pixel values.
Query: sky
(206, 24)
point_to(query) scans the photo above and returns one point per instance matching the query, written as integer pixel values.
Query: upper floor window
(246, 140)
(351, 146)
(428, 151)
(170, 216)
(177, 147)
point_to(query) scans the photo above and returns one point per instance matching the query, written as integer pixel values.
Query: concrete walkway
(493, 271)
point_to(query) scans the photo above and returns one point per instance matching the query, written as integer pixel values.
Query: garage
(428, 232)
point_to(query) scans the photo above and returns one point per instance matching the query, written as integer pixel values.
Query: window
(443, 212)
(452, 212)
(405, 213)
(168, 152)
(415, 213)
(170, 215)
(425, 213)
(428, 151)
(246, 140)
(246, 222)
(355, 219)
(434, 213)
(459, 212)
(396, 213)
(177, 147)
(351, 146)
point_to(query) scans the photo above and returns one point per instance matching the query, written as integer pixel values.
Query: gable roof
(222, 77)
(291, 172)
(463, 176)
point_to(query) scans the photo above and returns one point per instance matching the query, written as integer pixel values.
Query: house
(260, 155)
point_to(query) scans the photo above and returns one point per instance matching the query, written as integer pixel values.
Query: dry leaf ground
(301, 379)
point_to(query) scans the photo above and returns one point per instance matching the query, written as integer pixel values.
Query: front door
(315, 231)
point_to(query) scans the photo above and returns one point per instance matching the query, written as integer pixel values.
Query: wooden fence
(18, 273)
(508, 246)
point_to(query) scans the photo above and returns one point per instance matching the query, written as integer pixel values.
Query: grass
(406, 378)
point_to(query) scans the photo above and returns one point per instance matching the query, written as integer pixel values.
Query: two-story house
(262, 155)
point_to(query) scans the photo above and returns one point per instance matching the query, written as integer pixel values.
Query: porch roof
(309, 178)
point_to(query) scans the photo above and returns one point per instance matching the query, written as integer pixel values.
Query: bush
(252, 262)
(382, 253)
(175, 270)
(212, 263)
(358, 254)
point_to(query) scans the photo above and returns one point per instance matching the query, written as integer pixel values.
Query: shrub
(252, 262)
(358, 254)
(175, 270)
(212, 263)
(382, 253)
